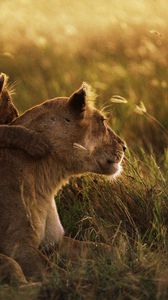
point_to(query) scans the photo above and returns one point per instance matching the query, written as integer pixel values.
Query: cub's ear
(77, 100)
(2, 81)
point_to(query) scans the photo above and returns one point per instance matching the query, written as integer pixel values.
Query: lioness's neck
(50, 175)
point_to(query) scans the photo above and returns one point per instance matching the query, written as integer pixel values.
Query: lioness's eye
(67, 120)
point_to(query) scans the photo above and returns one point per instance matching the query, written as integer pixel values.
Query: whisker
(105, 107)
(78, 146)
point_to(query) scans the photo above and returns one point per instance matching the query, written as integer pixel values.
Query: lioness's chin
(118, 169)
(112, 171)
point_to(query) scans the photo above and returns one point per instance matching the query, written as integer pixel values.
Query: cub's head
(8, 111)
(80, 138)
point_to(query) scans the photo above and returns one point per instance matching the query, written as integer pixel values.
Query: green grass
(121, 49)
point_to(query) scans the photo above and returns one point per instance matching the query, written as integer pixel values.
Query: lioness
(80, 142)
(17, 136)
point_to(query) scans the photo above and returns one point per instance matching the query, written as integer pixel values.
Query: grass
(120, 50)
(130, 215)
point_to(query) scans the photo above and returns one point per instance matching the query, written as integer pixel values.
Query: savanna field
(120, 48)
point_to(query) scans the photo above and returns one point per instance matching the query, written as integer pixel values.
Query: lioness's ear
(2, 81)
(77, 100)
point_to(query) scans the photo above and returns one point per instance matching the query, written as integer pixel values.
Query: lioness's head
(8, 111)
(80, 138)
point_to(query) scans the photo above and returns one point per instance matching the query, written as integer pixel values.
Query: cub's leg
(10, 271)
(25, 139)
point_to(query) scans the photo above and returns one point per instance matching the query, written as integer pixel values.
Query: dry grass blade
(135, 171)
(140, 109)
(118, 99)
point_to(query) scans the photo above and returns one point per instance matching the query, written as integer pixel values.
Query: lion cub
(80, 141)
(17, 136)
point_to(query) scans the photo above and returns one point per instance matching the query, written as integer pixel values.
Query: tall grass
(120, 48)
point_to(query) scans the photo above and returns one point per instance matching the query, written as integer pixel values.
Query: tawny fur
(28, 213)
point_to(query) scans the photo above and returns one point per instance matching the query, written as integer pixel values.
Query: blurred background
(48, 48)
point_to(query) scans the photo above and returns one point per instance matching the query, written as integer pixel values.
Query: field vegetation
(120, 48)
